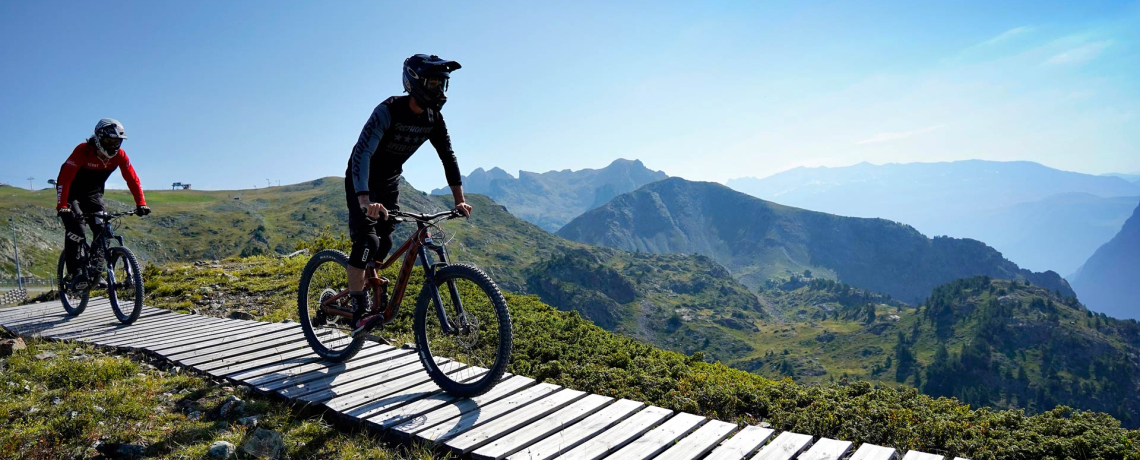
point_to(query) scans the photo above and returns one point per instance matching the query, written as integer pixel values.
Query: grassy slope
(59, 407)
(563, 348)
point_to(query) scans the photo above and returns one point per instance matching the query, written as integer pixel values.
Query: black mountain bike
(475, 332)
(111, 268)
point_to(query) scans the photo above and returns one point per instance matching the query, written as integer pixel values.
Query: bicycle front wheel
(325, 277)
(482, 336)
(125, 285)
(74, 301)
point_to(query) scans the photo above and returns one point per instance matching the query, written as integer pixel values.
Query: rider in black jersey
(397, 127)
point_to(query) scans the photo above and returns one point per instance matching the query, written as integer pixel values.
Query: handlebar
(108, 216)
(400, 216)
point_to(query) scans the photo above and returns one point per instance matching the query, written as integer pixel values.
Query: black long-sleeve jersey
(391, 135)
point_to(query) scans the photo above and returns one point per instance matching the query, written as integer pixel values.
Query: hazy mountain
(984, 200)
(1134, 177)
(758, 240)
(552, 198)
(1110, 281)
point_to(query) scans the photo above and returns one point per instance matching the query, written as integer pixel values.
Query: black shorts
(371, 239)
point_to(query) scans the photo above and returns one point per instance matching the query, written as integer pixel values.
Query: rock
(264, 444)
(45, 355)
(117, 450)
(250, 421)
(222, 450)
(9, 346)
(238, 314)
(232, 406)
(194, 416)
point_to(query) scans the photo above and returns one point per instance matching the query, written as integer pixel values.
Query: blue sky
(228, 94)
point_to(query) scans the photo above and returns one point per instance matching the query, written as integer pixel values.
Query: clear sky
(227, 94)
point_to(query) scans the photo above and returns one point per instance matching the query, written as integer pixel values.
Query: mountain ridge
(756, 239)
(1107, 281)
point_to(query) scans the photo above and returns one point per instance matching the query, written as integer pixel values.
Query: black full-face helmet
(109, 135)
(426, 78)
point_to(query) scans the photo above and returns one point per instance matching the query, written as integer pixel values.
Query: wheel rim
(477, 340)
(331, 331)
(121, 286)
(72, 299)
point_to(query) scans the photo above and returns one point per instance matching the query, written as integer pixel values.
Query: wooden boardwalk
(387, 388)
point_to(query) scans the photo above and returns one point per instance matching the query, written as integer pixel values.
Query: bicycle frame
(415, 247)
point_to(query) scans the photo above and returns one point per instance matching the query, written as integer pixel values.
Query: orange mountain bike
(475, 331)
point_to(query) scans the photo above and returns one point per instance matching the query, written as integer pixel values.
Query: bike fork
(429, 279)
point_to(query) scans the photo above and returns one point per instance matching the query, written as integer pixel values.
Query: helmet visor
(110, 144)
(435, 84)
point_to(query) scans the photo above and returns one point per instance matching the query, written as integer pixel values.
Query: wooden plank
(826, 449)
(99, 324)
(22, 311)
(100, 321)
(515, 441)
(277, 368)
(916, 455)
(356, 404)
(193, 325)
(30, 322)
(874, 452)
(786, 446)
(577, 433)
(658, 439)
(619, 435)
(742, 444)
(251, 334)
(700, 442)
(197, 332)
(348, 396)
(270, 382)
(389, 366)
(515, 420)
(158, 322)
(124, 330)
(465, 414)
(260, 358)
(384, 418)
(239, 355)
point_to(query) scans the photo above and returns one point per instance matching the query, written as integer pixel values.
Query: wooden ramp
(387, 388)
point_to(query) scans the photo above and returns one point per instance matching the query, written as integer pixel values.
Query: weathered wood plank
(414, 412)
(577, 433)
(742, 444)
(96, 324)
(476, 437)
(786, 446)
(286, 365)
(260, 358)
(270, 382)
(619, 435)
(874, 452)
(349, 396)
(826, 449)
(191, 334)
(376, 370)
(399, 398)
(133, 330)
(465, 414)
(658, 439)
(514, 441)
(916, 455)
(31, 323)
(240, 350)
(252, 334)
(700, 442)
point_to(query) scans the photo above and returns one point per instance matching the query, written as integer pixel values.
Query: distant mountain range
(758, 240)
(552, 198)
(1110, 281)
(1135, 177)
(1039, 217)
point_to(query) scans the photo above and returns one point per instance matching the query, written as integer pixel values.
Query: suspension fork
(437, 301)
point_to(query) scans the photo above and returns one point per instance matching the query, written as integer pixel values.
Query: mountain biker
(397, 127)
(80, 186)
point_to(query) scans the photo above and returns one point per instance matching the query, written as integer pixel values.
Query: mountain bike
(475, 330)
(103, 267)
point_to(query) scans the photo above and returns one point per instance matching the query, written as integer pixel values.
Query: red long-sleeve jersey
(84, 174)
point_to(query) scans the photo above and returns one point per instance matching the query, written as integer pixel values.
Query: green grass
(59, 407)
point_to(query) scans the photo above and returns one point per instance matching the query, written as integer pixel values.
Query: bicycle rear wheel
(325, 276)
(484, 336)
(74, 301)
(125, 285)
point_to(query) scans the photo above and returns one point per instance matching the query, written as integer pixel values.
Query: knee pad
(364, 248)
